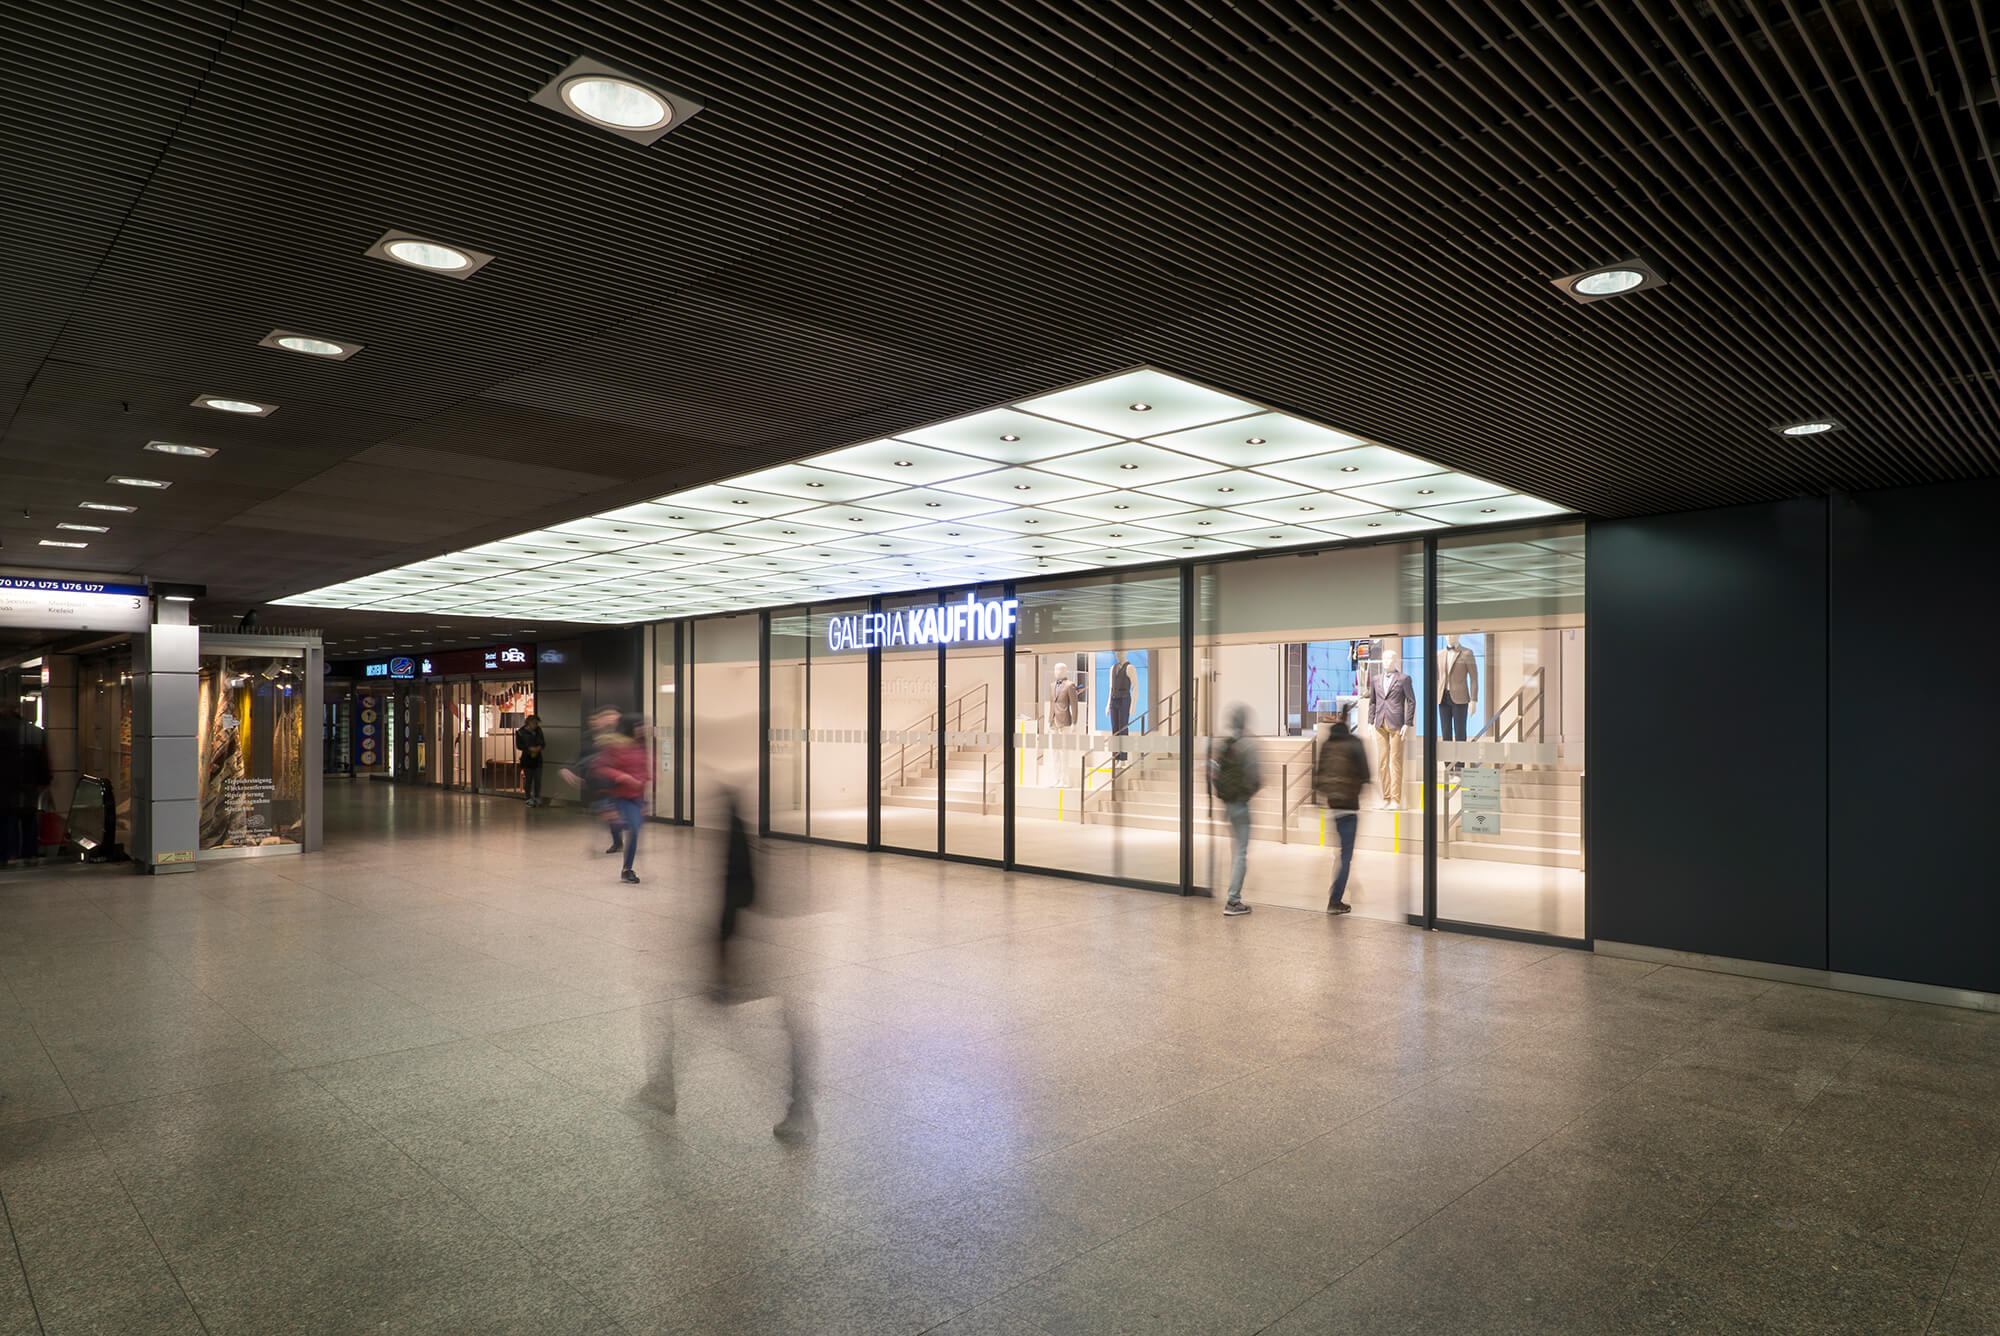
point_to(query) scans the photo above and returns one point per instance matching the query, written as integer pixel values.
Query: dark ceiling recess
(890, 213)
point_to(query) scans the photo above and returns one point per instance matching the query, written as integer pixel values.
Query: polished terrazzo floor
(391, 1088)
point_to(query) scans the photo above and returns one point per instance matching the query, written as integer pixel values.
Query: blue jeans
(626, 814)
(1239, 858)
(1344, 825)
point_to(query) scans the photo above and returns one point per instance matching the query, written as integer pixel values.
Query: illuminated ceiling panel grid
(1134, 467)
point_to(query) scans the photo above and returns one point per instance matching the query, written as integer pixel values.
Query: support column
(166, 790)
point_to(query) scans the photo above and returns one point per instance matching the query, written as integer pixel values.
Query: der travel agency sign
(943, 624)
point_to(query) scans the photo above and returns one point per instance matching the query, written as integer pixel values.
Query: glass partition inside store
(1097, 726)
(664, 714)
(1421, 754)
(725, 674)
(1509, 709)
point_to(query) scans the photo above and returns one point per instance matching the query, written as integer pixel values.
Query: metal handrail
(1168, 710)
(1498, 730)
(931, 723)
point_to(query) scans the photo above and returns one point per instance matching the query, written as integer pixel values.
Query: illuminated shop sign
(391, 668)
(947, 624)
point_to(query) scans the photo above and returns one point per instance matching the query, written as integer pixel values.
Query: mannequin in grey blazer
(1392, 708)
(1457, 689)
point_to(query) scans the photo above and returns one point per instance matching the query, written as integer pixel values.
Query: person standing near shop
(528, 744)
(1233, 776)
(1339, 774)
(24, 778)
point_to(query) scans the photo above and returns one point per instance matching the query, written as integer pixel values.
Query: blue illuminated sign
(944, 624)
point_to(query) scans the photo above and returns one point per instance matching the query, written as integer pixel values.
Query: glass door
(908, 745)
(1508, 700)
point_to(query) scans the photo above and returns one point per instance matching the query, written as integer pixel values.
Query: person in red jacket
(620, 770)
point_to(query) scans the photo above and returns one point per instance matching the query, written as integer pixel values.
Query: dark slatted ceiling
(894, 212)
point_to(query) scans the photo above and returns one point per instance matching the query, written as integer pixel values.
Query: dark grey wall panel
(1912, 792)
(611, 669)
(1708, 732)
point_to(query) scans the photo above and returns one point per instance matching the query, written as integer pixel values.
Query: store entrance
(65, 752)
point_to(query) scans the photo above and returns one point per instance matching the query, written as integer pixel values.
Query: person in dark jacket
(1340, 772)
(24, 778)
(739, 896)
(528, 744)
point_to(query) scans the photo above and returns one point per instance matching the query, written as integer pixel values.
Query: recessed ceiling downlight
(176, 448)
(310, 346)
(631, 107)
(106, 505)
(617, 103)
(429, 255)
(1609, 282)
(243, 407)
(445, 259)
(1812, 428)
(124, 481)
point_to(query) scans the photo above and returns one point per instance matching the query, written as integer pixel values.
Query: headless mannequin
(1064, 709)
(1119, 700)
(1457, 689)
(1392, 705)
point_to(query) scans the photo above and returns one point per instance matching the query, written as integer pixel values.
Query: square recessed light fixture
(223, 403)
(617, 102)
(57, 542)
(1817, 426)
(176, 448)
(428, 255)
(309, 345)
(106, 505)
(84, 528)
(124, 480)
(1611, 280)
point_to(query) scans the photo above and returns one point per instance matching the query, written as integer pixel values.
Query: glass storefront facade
(1080, 741)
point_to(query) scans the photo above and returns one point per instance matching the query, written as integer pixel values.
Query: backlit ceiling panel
(1131, 469)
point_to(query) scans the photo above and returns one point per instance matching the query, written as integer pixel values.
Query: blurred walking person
(732, 987)
(1339, 775)
(528, 744)
(739, 893)
(596, 780)
(1234, 777)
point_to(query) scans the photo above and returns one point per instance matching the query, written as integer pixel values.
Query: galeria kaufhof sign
(944, 624)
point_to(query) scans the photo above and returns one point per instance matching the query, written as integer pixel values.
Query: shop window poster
(251, 742)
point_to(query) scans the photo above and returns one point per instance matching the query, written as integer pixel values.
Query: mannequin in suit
(1457, 689)
(1120, 699)
(1063, 714)
(1392, 708)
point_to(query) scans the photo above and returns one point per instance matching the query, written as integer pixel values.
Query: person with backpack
(1340, 771)
(1233, 777)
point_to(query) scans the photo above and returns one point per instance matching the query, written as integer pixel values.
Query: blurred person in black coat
(24, 778)
(739, 896)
